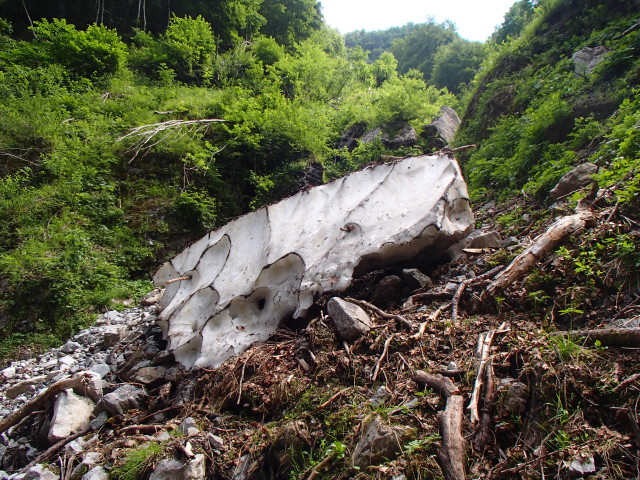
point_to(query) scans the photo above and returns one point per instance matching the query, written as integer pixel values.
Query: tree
(514, 20)
(290, 21)
(456, 63)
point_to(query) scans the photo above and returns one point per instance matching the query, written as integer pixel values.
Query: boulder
(573, 180)
(405, 136)
(379, 443)
(483, 239)
(123, 399)
(350, 320)
(169, 469)
(71, 414)
(387, 291)
(415, 279)
(349, 139)
(442, 130)
(234, 286)
(586, 59)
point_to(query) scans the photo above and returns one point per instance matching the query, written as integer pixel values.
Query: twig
(244, 365)
(484, 345)
(179, 279)
(333, 397)
(54, 448)
(399, 318)
(384, 354)
(433, 317)
(471, 281)
(626, 382)
(324, 462)
(145, 429)
(483, 436)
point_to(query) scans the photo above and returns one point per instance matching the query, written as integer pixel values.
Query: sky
(474, 19)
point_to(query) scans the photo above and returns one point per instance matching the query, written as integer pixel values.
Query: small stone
(114, 317)
(99, 421)
(101, 369)
(149, 374)
(24, 386)
(387, 291)
(509, 242)
(483, 239)
(123, 399)
(380, 397)
(379, 443)
(8, 373)
(112, 335)
(96, 473)
(65, 363)
(350, 320)
(152, 297)
(415, 279)
(187, 423)
(70, 347)
(162, 436)
(582, 466)
(216, 442)
(169, 469)
(39, 472)
(74, 448)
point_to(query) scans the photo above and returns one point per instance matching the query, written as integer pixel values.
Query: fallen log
(609, 337)
(541, 247)
(452, 451)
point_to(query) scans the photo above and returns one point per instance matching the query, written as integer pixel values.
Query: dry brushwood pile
(482, 373)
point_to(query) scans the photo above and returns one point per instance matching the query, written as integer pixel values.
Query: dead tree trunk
(452, 451)
(542, 246)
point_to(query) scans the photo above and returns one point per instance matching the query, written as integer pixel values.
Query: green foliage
(92, 53)
(455, 64)
(138, 461)
(195, 211)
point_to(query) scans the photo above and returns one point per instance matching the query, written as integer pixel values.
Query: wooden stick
(323, 463)
(452, 451)
(54, 448)
(384, 353)
(628, 381)
(399, 318)
(484, 345)
(76, 383)
(179, 279)
(432, 318)
(333, 397)
(541, 247)
(145, 429)
(456, 298)
(612, 337)
(483, 437)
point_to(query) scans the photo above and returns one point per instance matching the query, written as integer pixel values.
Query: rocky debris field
(412, 374)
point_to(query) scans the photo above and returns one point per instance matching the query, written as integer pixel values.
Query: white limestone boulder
(240, 281)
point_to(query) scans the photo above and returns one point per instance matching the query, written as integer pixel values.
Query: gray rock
(113, 334)
(406, 136)
(123, 399)
(509, 242)
(573, 180)
(96, 473)
(169, 469)
(24, 386)
(114, 317)
(371, 135)
(8, 373)
(350, 320)
(39, 472)
(441, 131)
(186, 424)
(586, 59)
(380, 397)
(65, 363)
(101, 369)
(99, 421)
(71, 414)
(216, 442)
(379, 443)
(387, 291)
(148, 375)
(70, 347)
(416, 279)
(152, 297)
(483, 239)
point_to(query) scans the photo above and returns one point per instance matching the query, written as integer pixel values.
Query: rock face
(441, 131)
(585, 60)
(233, 287)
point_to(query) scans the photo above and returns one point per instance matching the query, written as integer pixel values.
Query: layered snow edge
(232, 287)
